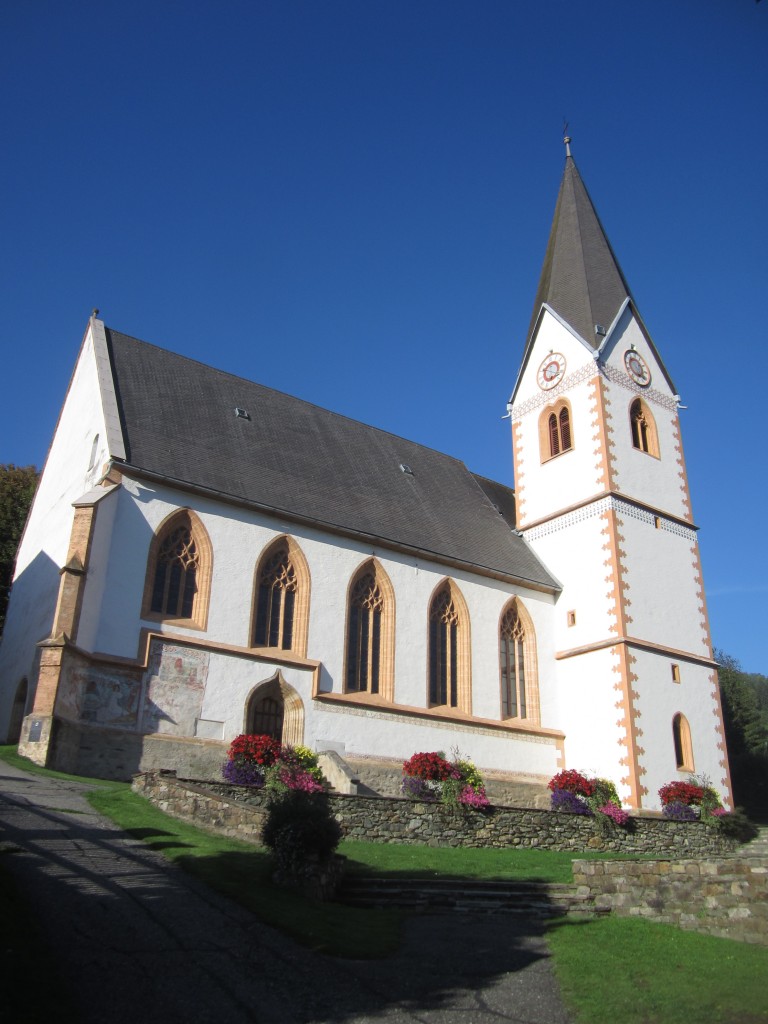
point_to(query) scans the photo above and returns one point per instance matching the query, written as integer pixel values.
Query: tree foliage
(745, 715)
(17, 489)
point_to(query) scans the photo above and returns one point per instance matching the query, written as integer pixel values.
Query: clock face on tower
(551, 371)
(637, 368)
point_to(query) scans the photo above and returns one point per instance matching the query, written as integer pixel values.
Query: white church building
(206, 556)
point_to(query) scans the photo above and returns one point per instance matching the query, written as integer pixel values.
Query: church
(206, 556)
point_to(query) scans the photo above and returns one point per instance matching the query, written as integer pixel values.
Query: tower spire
(581, 279)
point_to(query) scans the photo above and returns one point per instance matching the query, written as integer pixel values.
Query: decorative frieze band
(610, 504)
(587, 372)
(617, 376)
(538, 401)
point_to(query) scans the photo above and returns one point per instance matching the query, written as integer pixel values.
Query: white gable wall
(73, 466)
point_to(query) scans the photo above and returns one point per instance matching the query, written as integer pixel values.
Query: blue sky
(349, 201)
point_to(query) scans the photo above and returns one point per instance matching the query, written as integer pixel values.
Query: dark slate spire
(581, 278)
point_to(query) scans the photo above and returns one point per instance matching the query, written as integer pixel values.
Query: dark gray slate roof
(581, 278)
(179, 422)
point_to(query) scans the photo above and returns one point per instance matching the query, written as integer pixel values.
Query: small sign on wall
(35, 731)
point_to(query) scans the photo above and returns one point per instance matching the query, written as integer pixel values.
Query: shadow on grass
(125, 903)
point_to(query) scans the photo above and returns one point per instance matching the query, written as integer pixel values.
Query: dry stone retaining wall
(238, 811)
(728, 898)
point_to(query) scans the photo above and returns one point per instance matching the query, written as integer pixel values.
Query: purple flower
(474, 797)
(678, 811)
(417, 789)
(243, 774)
(615, 813)
(569, 803)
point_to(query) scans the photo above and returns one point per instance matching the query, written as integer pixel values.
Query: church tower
(602, 497)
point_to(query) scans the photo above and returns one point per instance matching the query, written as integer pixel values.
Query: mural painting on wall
(100, 697)
(175, 684)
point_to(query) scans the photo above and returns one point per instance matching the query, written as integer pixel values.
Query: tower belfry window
(644, 436)
(555, 431)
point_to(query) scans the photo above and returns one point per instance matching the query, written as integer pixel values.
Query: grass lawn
(635, 972)
(461, 862)
(243, 872)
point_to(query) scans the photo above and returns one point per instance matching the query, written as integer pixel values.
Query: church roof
(180, 423)
(581, 279)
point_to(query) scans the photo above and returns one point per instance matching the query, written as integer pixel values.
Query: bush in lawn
(301, 831)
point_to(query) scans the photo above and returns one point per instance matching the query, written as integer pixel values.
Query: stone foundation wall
(238, 811)
(383, 777)
(119, 754)
(728, 898)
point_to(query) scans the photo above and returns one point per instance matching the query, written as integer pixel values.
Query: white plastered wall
(663, 592)
(238, 537)
(73, 466)
(658, 700)
(540, 485)
(658, 482)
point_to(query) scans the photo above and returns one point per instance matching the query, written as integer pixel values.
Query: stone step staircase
(757, 847)
(528, 899)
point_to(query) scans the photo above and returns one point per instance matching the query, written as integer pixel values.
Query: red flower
(261, 750)
(431, 766)
(572, 782)
(681, 793)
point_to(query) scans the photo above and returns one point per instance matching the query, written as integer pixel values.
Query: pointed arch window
(681, 737)
(518, 664)
(555, 434)
(276, 601)
(644, 435)
(449, 684)
(281, 598)
(370, 633)
(179, 572)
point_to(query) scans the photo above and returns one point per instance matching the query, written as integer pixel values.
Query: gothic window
(275, 602)
(179, 572)
(555, 430)
(281, 598)
(449, 650)
(644, 436)
(681, 736)
(518, 664)
(370, 633)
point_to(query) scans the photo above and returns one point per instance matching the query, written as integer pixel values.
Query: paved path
(142, 942)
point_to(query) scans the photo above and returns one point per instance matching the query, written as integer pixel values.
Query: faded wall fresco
(174, 688)
(100, 696)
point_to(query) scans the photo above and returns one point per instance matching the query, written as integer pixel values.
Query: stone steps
(757, 847)
(529, 899)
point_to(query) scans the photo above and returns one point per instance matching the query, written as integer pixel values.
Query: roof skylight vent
(599, 329)
(406, 468)
(242, 414)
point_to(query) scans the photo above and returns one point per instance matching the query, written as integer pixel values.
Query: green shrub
(300, 828)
